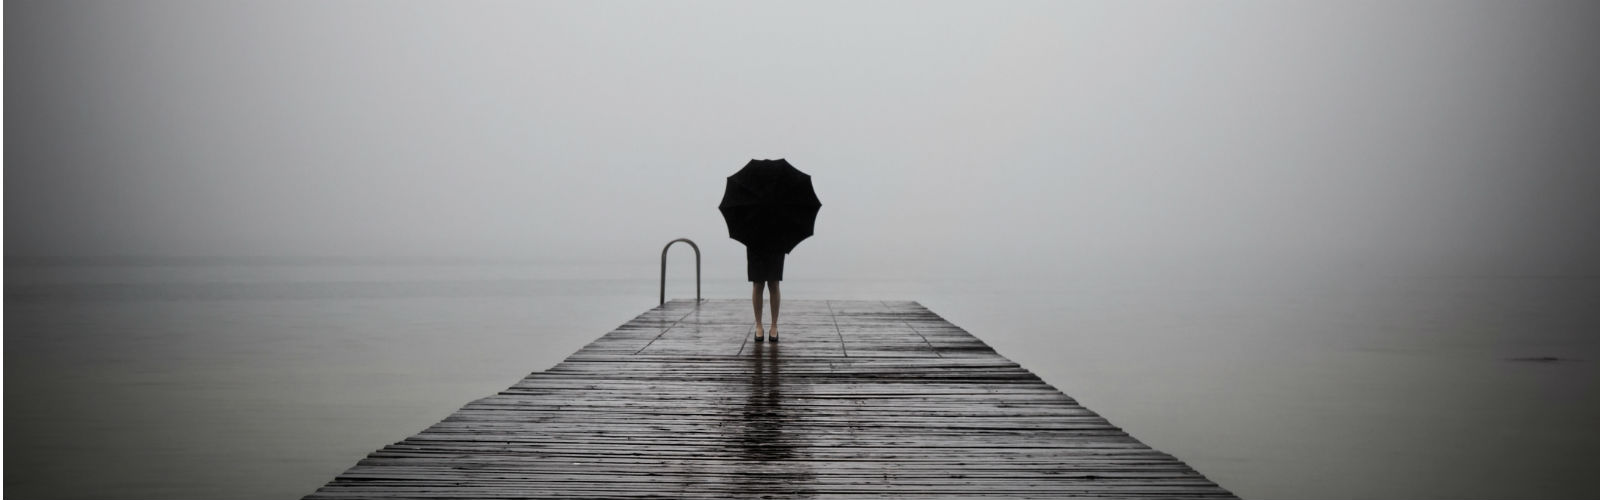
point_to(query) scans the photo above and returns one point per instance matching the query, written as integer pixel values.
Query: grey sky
(943, 138)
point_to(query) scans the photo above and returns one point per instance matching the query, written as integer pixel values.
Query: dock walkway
(860, 399)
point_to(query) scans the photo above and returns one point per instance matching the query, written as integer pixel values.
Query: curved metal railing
(696, 269)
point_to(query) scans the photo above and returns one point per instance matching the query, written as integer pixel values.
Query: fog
(1047, 175)
(1020, 139)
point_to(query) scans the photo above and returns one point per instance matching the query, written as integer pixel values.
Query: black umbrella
(769, 206)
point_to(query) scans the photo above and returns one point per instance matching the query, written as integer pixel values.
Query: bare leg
(755, 301)
(773, 287)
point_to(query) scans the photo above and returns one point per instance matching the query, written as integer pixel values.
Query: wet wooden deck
(860, 399)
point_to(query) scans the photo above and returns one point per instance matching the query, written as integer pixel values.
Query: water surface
(264, 379)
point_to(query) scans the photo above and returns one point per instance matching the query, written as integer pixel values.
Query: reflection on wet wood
(859, 399)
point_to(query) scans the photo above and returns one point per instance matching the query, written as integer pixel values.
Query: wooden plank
(861, 399)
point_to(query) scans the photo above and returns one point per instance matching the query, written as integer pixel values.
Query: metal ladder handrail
(696, 269)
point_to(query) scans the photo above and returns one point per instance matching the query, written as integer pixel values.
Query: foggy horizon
(1415, 138)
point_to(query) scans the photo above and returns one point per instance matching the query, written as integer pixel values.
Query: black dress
(764, 266)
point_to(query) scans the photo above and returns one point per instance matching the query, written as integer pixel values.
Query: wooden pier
(860, 399)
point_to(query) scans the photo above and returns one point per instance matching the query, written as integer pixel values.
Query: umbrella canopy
(770, 206)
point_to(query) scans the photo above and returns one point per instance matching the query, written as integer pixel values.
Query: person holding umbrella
(769, 206)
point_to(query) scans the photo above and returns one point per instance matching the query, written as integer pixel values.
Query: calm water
(265, 379)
